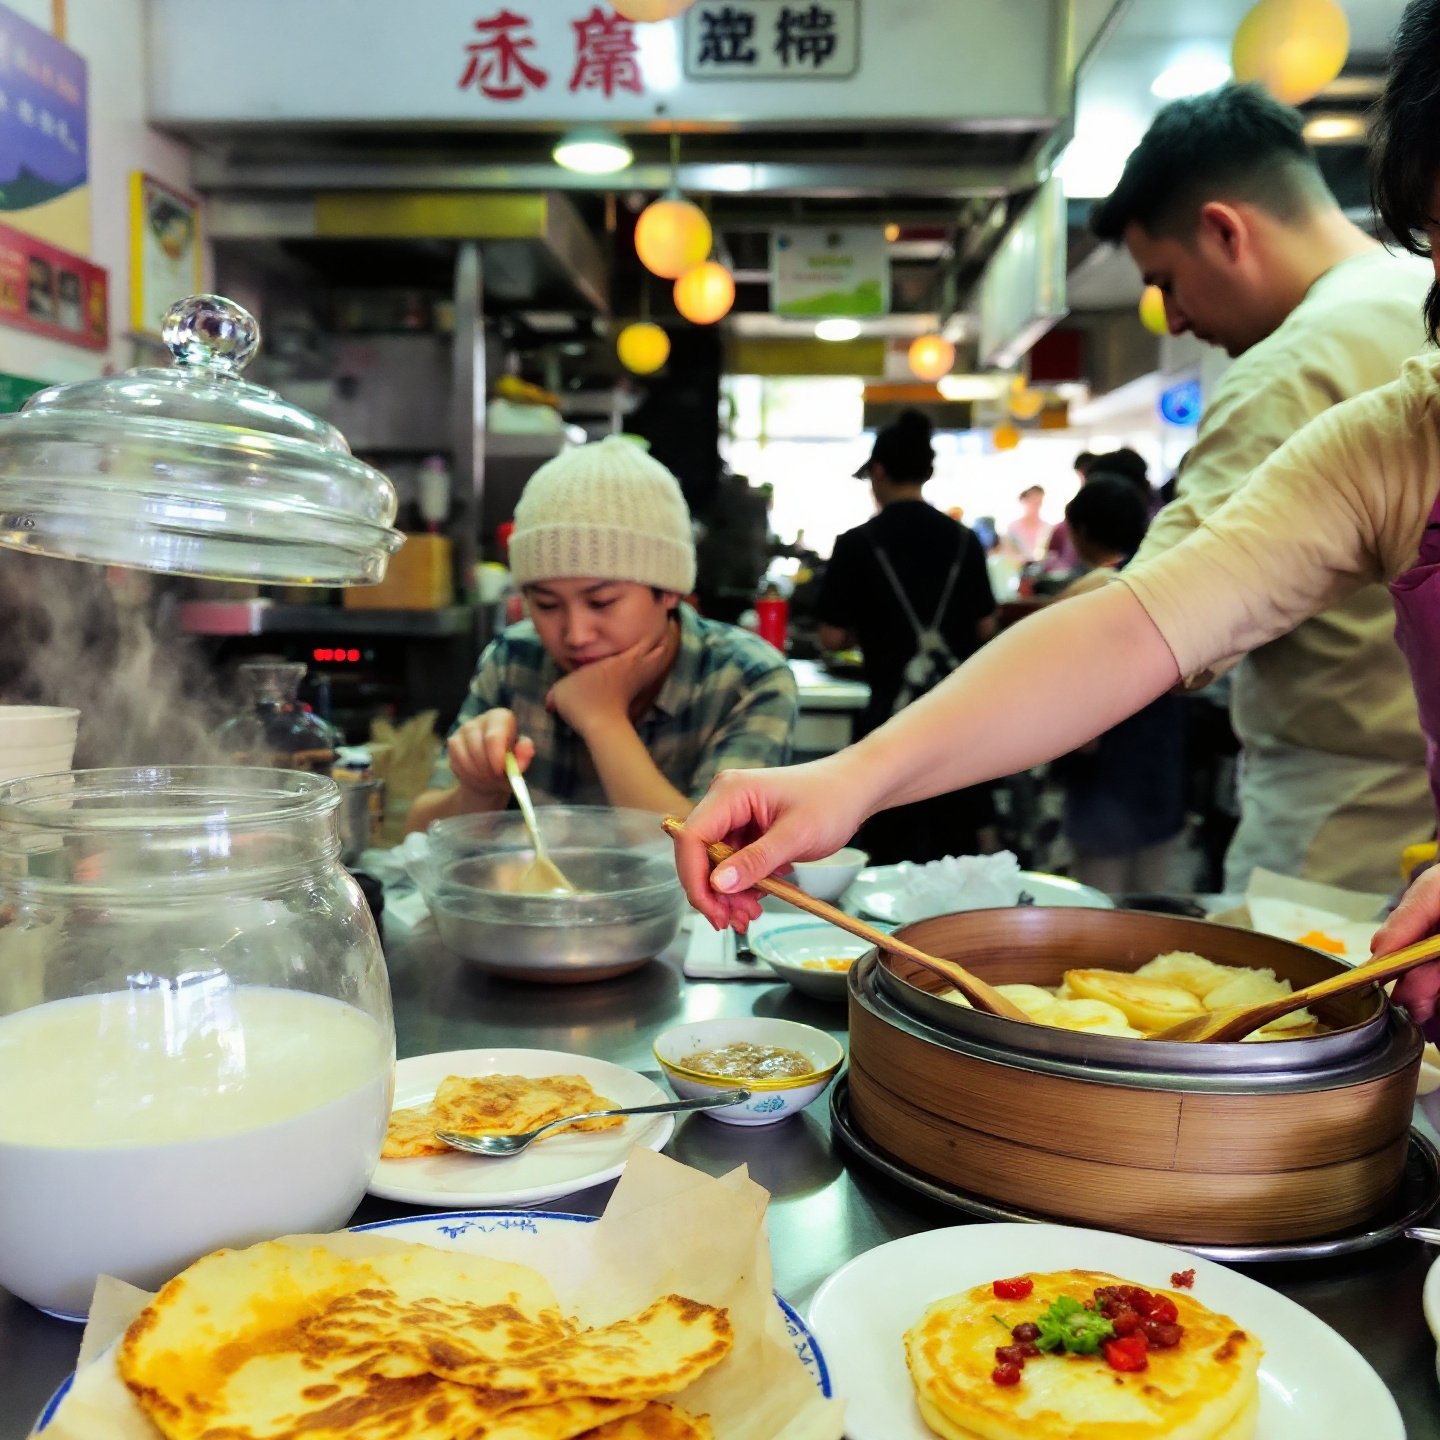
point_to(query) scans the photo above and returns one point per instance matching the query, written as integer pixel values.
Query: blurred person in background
(614, 691)
(910, 586)
(1028, 536)
(1124, 810)
(1223, 207)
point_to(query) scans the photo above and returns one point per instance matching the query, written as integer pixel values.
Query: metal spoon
(497, 1145)
(1238, 1021)
(542, 876)
(972, 987)
(1424, 1233)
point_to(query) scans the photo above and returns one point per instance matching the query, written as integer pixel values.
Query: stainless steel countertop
(820, 690)
(821, 1213)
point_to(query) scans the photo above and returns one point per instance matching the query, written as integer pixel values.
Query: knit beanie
(607, 511)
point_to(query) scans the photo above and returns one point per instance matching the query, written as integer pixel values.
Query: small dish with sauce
(815, 958)
(783, 1063)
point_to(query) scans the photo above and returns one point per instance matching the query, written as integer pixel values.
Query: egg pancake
(493, 1105)
(657, 1421)
(292, 1339)
(1204, 1388)
(1147, 1004)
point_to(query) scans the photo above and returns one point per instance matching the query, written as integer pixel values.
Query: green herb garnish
(1068, 1325)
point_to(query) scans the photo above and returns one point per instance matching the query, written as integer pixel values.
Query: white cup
(36, 739)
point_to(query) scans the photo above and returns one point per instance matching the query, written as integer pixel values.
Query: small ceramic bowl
(770, 1100)
(829, 877)
(815, 958)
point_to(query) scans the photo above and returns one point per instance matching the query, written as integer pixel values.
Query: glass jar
(196, 1042)
(273, 727)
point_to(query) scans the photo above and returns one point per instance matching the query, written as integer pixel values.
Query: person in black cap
(910, 587)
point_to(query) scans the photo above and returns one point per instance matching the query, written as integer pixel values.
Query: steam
(75, 634)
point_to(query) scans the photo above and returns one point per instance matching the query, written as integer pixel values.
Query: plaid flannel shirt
(729, 702)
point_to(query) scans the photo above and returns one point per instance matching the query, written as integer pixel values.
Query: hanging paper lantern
(706, 293)
(1005, 437)
(1152, 311)
(1294, 48)
(646, 11)
(642, 347)
(672, 236)
(931, 356)
(1022, 402)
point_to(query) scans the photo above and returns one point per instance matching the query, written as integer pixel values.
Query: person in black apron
(910, 586)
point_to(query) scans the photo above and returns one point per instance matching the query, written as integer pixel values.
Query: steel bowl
(628, 907)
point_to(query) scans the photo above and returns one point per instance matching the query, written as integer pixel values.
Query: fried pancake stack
(287, 1340)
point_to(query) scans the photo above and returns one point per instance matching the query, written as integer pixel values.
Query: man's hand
(601, 693)
(1416, 916)
(802, 812)
(477, 752)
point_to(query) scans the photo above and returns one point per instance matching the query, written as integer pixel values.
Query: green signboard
(15, 390)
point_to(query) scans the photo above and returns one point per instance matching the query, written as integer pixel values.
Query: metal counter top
(821, 1214)
(820, 690)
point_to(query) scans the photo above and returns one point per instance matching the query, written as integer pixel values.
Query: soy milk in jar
(196, 1044)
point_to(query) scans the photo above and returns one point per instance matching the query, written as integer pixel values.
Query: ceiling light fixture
(969, 387)
(1327, 129)
(837, 329)
(1190, 75)
(593, 153)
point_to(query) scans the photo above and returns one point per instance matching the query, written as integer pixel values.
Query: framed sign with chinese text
(829, 270)
(51, 292)
(164, 250)
(772, 39)
(44, 136)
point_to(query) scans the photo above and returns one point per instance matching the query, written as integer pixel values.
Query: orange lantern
(1022, 402)
(931, 356)
(672, 236)
(1294, 48)
(1152, 311)
(1005, 437)
(646, 11)
(705, 294)
(642, 347)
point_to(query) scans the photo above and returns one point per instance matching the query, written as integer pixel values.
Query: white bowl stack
(36, 739)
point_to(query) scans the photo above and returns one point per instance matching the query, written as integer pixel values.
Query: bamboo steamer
(1252, 1143)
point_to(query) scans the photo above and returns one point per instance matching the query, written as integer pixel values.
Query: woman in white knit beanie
(614, 691)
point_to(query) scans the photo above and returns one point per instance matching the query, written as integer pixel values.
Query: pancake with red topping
(1143, 1384)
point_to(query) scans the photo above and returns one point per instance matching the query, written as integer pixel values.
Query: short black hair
(1405, 138)
(1236, 143)
(1128, 464)
(1108, 510)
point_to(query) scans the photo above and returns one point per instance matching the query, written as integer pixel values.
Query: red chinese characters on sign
(504, 60)
(498, 65)
(606, 55)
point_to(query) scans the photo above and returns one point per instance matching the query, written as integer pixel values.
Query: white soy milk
(143, 1128)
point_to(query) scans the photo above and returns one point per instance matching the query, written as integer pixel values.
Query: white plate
(505, 1234)
(876, 892)
(557, 1165)
(1430, 1300)
(1312, 1382)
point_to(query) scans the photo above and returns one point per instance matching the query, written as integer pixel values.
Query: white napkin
(958, 882)
(710, 955)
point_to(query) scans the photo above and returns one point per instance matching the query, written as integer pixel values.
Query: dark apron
(1417, 632)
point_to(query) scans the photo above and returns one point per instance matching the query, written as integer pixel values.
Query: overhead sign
(44, 135)
(772, 39)
(366, 62)
(819, 271)
(1180, 404)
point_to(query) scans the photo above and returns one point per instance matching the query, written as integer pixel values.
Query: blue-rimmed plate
(505, 1234)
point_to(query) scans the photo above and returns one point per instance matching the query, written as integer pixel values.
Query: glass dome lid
(193, 470)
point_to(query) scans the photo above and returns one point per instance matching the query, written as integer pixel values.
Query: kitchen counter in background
(828, 707)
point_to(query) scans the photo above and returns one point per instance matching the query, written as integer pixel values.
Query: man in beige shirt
(1223, 207)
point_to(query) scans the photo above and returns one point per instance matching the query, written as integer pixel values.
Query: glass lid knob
(210, 332)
